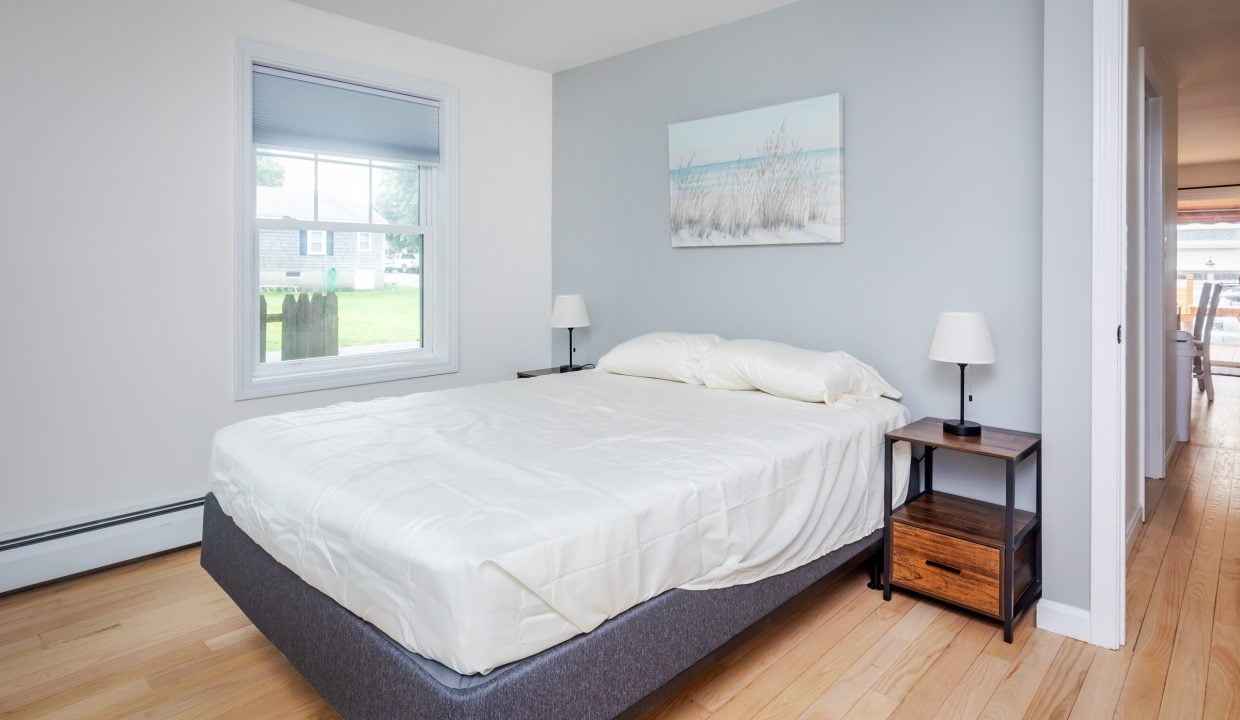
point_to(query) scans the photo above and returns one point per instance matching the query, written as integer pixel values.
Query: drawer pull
(941, 566)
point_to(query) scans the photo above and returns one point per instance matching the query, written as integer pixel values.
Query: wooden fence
(309, 326)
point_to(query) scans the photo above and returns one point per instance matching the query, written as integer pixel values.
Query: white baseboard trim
(1130, 532)
(43, 561)
(1169, 456)
(1063, 619)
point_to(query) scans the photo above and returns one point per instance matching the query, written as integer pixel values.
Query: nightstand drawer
(945, 567)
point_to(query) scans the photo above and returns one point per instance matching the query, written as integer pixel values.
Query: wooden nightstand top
(541, 371)
(960, 517)
(993, 442)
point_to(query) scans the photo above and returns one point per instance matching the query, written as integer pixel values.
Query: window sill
(298, 376)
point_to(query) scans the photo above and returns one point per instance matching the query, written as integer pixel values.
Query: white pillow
(662, 355)
(792, 372)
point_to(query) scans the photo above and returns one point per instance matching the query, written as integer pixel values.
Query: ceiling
(1202, 42)
(550, 35)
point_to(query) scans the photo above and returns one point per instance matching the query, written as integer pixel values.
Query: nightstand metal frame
(1011, 607)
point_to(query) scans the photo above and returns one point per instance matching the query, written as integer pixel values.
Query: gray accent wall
(943, 127)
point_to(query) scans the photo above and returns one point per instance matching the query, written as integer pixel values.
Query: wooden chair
(1203, 303)
(1201, 348)
(1199, 321)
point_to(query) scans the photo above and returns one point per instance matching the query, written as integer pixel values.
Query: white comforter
(480, 525)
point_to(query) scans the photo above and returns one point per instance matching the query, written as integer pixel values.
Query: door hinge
(1119, 334)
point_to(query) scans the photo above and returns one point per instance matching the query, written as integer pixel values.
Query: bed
(552, 547)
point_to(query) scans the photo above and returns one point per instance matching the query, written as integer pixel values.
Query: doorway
(1153, 280)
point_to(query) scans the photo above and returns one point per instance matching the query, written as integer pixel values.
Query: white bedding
(481, 525)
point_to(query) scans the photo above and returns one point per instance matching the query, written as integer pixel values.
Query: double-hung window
(345, 171)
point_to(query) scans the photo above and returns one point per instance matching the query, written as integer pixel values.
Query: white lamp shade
(569, 311)
(962, 337)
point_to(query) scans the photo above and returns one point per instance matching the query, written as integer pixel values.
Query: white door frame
(1151, 288)
(1107, 526)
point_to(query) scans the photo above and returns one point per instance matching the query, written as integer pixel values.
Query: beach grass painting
(768, 176)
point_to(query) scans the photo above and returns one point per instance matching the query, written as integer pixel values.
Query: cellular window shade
(300, 112)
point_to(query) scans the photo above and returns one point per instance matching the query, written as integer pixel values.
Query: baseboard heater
(58, 553)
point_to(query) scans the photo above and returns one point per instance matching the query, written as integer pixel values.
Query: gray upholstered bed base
(364, 674)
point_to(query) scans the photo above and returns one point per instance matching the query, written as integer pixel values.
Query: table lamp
(962, 338)
(569, 311)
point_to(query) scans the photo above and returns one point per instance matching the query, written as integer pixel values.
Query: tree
(269, 171)
(397, 201)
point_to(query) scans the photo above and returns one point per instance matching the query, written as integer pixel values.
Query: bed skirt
(625, 664)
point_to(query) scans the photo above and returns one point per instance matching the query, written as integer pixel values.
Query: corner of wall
(1063, 619)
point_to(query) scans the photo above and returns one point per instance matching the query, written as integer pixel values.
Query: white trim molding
(1065, 620)
(1151, 234)
(84, 551)
(1107, 421)
(438, 350)
(1134, 521)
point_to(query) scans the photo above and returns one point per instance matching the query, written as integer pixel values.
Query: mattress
(481, 525)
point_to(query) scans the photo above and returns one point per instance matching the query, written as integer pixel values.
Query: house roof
(291, 202)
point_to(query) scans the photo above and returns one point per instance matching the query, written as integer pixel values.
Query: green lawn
(367, 317)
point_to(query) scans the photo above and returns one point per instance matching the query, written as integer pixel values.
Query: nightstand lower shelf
(951, 548)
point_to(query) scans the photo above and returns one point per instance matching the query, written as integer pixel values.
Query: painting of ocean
(768, 176)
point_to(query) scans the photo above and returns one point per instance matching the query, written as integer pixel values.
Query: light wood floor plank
(1223, 681)
(861, 676)
(741, 668)
(932, 689)
(903, 675)
(828, 667)
(1100, 693)
(1061, 684)
(1185, 692)
(1146, 679)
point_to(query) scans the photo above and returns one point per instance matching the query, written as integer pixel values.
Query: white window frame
(438, 354)
(369, 244)
(316, 242)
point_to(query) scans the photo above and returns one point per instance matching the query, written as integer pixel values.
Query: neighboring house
(1209, 251)
(306, 259)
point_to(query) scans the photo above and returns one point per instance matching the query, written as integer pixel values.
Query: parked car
(402, 262)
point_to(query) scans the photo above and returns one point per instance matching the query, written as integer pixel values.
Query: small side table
(543, 371)
(974, 554)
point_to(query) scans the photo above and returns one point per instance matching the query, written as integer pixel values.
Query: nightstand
(977, 555)
(543, 371)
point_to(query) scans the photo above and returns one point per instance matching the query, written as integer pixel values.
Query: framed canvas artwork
(770, 176)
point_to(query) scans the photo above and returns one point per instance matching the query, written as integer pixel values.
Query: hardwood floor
(159, 639)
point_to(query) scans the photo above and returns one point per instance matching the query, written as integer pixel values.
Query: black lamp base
(571, 368)
(966, 428)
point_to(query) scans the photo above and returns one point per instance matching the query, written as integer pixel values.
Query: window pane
(344, 192)
(285, 187)
(396, 196)
(348, 301)
(1209, 252)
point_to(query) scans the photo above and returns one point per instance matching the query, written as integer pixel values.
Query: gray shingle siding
(279, 252)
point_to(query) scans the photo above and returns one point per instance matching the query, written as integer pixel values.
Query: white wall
(117, 185)
(1141, 36)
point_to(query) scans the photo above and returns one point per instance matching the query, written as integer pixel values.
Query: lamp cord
(962, 367)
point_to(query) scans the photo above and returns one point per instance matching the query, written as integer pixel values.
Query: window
(346, 246)
(1209, 252)
(316, 243)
